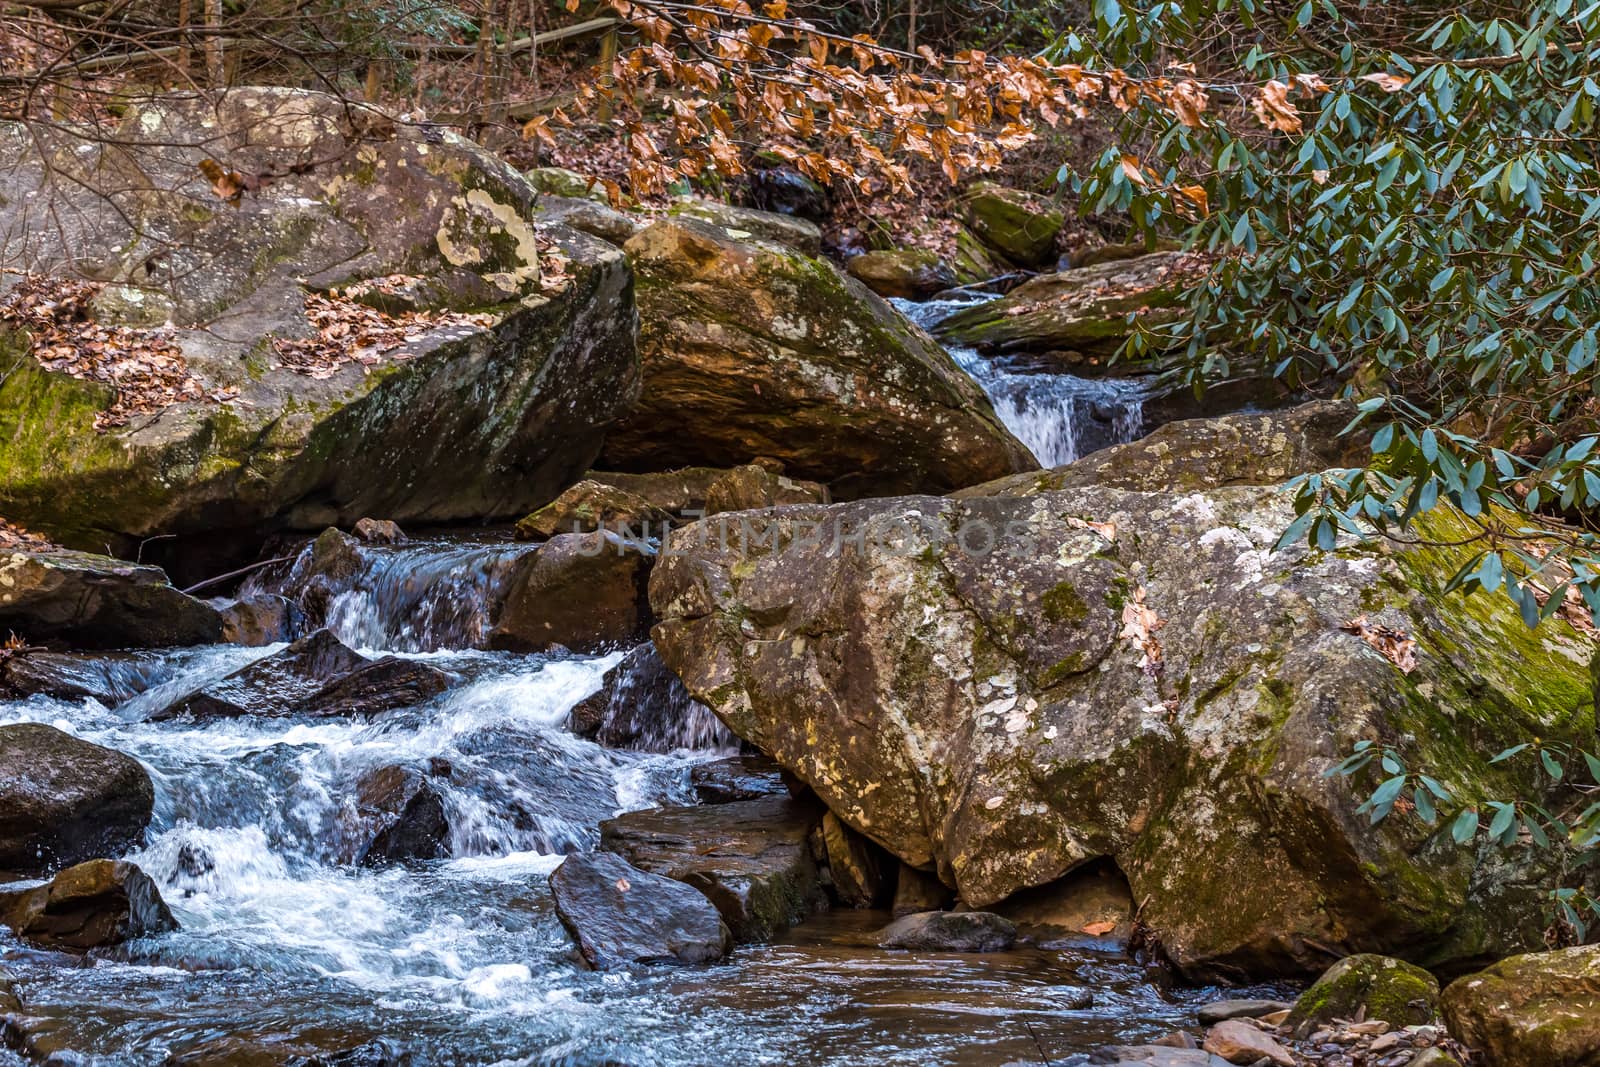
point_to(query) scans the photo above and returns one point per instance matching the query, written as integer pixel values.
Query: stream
(462, 960)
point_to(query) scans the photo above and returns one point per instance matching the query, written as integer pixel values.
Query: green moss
(1064, 604)
(1376, 986)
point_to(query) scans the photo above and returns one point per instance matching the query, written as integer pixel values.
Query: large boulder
(1367, 986)
(752, 349)
(752, 858)
(1541, 1008)
(591, 505)
(94, 601)
(64, 801)
(1250, 448)
(93, 905)
(791, 231)
(523, 387)
(1021, 226)
(583, 591)
(618, 914)
(1006, 689)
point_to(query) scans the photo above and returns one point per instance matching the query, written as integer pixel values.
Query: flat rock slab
(64, 800)
(1155, 1056)
(618, 914)
(1238, 1041)
(1223, 1010)
(752, 858)
(950, 931)
(724, 781)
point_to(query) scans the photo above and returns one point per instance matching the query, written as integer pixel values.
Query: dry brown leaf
(1396, 646)
(1108, 530)
(1271, 105)
(227, 185)
(1100, 929)
(1139, 625)
(1389, 83)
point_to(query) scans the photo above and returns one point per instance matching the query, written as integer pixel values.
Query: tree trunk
(216, 72)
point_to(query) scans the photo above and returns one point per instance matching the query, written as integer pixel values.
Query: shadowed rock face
(618, 914)
(94, 601)
(752, 349)
(1139, 676)
(526, 398)
(64, 801)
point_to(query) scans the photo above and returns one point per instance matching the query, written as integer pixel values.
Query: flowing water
(1060, 417)
(462, 961)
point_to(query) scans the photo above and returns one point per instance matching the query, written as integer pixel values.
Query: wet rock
(1541, 1008)
(741, 222)
(910, 273)
(1367, 987)
(950, 931)
(64, 801)
(108, 677)
(595, 218)
(93, 905)
(975, 263)
(409, 814)
(260, 619)
(781, 189)
(309, 1048)
(591, 505)
(855, 865)
(752, 486)
(724, 781)
(280, 684)
(1092, 902)
(1155, 1056)
(378, 532)
(91, 601)
(618, 914)
(916, 890)
(1177, 1039)
(1254, 448)
(751, 858)
(751, 349)
(981, 713)
(377, 686)
(526, 392)
(1221, 1011)
(1237, 1041)
(1021, 226)
(586, 592)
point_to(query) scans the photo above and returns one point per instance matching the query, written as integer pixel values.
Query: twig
(235, 574)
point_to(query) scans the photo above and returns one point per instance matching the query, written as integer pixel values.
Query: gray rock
(950, 931)
(593, 217)
(94, 601)
(109, 677)
(724, 781)
(93, 905)
(618, 914)
(64, 801)
(1223, 1010)
(1155, 1056)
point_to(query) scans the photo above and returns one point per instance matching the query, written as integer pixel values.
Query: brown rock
(92, 905)
(582, 591)
(855, 863)
(1537, 1010)
(593, 505)
(1239, 1042)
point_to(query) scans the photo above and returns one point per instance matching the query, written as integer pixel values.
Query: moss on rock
(1368, 987)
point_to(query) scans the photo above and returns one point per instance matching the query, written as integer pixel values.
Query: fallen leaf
(1271, 105)
(1139, 625)
(1396, 646)
(1100, 929)
(624, 885)
(1389, 83)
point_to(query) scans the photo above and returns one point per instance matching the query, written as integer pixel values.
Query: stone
(855, 865)
(618, 914)
(751, 486)
(108, 677)
(1434, 1057)
(1540, 1008)
(753, 350)
(1021, 226)
(372, 688)
(642, 706)
(1239, 1042)
(975, 707)
(680, 492)
(526, 391)
(591, 505)
(917, 890)
(1368, 987)
(908, 273)
(950, 931)
(260, 619)
(1220, 1011)
(751, 858)
(723, 781)
(586, 592)
(379, 532)
(91, 601)
(64, 800)
(1091, 906)
(597, 219)
(314, 1047)
(974, 263)
(279, 684)
(1249, 448)
(561, 182)
(1155, 1056)
(742, 222)
(92, 905)
(408, 814)
(781, 189)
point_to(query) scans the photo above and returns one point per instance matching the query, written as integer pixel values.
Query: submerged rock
(64, 801)
(1541, 1008)
(91, 601)
(526, 392)
(618, 914)
(93, 905)
(950, 931)
(751, 349)
(586, 592)
(1367, 987)
(317, 1047)
(1004, 689)
(752, 858)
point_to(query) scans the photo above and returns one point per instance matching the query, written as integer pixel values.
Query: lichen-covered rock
(1006, 689)
(559, 181)
(1367, 987)
(753, 486)
(527, 396)
(752, 350)
(64, 800)
(585, 592)
(742, 223)
(1541, 1008)
(93, 905)
(1253, 448)
(855, 865)
(1021, 226)
(910, 273)
(1079, 317)
(587, 216)
(91, 601)
(592, 505)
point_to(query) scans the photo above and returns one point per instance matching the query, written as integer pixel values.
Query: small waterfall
(643, 707)
(1060, 417)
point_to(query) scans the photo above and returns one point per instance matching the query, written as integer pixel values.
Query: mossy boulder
(559, 181)
(1367, 987)
(1540, 1009)
(752, 350)
(468, 420)
(911, 273)
(1005, 689)
(1021, 226)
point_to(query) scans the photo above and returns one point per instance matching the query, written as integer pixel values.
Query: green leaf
(1465, 828)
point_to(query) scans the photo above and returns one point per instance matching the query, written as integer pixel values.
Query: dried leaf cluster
(348, 329)
(1139, 625)
(14, 536)
(1396, 646)
(143, 365)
